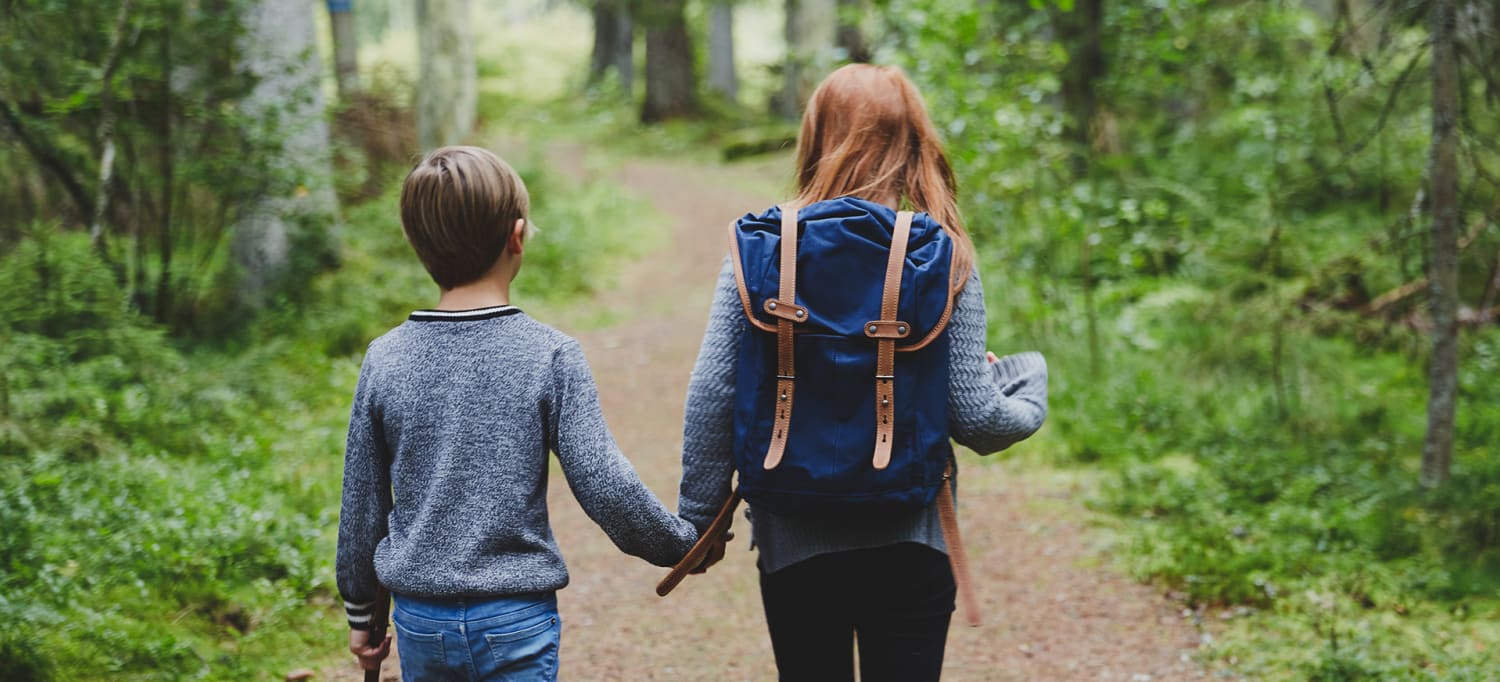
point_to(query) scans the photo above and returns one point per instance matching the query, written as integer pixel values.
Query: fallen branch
(1380, 303)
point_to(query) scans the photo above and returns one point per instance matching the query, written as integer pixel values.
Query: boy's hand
(715, 555)
(369, 656)
(992, 357)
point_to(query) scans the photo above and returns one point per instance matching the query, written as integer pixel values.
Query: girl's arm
(991, 406)
(602, 480)
(708, 425)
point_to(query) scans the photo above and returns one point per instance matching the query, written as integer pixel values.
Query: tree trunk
(1437, 451)
(1081, 32)
(448, 95)
(670, 89)
(345, 46)
(810, 30)
(721, 76)
(614, 43)
(279, 41)
(850, 34)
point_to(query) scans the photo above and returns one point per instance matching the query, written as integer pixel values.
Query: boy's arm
(708, 424)
(991, 406)
(602, 480)
(366, 505)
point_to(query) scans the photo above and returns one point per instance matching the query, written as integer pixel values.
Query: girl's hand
(992, 357)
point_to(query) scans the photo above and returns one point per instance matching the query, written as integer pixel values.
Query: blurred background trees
(1257, 240)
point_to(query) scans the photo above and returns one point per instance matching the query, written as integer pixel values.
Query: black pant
(898, 599)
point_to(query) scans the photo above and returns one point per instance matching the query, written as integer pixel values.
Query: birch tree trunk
(1437, 451)
(721, 75)
(447, 92)
(280, 51)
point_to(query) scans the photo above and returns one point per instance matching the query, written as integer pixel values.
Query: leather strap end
(887, 329)
(785, 310)
(958, 559)
(786, 389)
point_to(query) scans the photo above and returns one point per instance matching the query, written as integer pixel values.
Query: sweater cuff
(359, 614)
(1013, 367)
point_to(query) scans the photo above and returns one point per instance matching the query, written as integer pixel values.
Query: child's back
(445, 473)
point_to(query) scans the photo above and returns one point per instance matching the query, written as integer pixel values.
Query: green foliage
(1200, 289)
(170, 511)
(153, 93)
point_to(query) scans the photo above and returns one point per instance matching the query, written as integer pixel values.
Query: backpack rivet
(771, 305)
(783, 396)
(874, 329)
(800, 313)
(885, 402)
(901, 329)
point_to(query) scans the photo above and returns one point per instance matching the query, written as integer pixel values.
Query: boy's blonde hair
(459, 206)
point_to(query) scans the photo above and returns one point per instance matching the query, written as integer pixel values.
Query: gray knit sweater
(455, 413)
(990, 407)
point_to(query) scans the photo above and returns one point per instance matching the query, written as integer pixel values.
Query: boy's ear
(517, 240)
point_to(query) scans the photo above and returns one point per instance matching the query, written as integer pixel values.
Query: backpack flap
(846, 240)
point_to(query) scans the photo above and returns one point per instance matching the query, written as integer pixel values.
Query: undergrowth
(170, 509)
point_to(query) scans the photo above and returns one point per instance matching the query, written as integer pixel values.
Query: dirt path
(1051, 612)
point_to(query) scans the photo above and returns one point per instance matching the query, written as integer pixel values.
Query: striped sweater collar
(489, 313)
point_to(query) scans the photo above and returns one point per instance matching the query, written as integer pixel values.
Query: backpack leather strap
(784, 307)
(957, 557)
(886, 330)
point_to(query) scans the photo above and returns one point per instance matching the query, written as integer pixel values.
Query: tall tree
(614, 43)
(280, 52)
(670, 88)
(1437, 450)
(1081, 30)
(810, 29)
(721, 75)
(345, 46)
(448, 95)
(850, 34)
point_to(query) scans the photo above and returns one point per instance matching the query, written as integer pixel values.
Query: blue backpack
(841, 400)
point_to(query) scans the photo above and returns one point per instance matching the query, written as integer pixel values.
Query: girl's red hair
(866, 133)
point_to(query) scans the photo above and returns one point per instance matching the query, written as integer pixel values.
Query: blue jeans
(513, 638)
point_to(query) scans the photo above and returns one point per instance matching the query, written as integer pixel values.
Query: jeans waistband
(479, 612)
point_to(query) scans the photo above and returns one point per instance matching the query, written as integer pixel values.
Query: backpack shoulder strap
(784, 307)
(886, 330)
(739, 280)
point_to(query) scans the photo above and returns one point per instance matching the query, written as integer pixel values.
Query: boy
(454, 412)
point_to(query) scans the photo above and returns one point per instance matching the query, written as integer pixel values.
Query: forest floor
(1054, 606)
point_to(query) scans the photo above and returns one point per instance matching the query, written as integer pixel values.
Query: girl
(866, 140)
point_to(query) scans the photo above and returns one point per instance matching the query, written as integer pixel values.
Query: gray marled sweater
(990, 407)
(454, 413)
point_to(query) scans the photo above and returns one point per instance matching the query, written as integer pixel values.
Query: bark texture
(1437, 450)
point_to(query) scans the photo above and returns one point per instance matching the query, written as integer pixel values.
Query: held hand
(369, 656)
(991, 357)
(715, 554)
